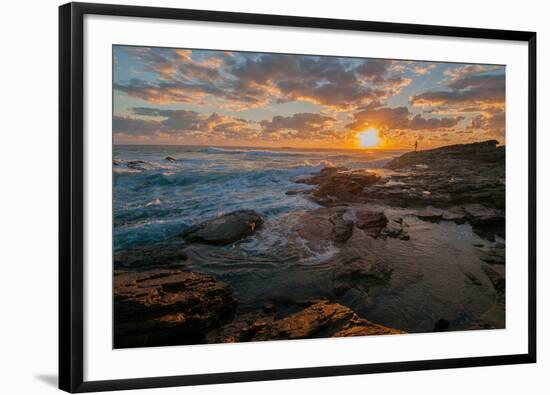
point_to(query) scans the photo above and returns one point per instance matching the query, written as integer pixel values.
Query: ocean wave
(277, 238)
(216, 150)
(121, 166)
(319, 164)
(155, 202)
(125, 170)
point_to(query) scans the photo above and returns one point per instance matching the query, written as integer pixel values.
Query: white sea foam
(155, 202)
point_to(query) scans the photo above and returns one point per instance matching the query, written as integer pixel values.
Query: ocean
(154, 198)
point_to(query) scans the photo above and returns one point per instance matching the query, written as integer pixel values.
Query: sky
(227, 98)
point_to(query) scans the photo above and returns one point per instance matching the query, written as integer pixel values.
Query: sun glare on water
(369, 138)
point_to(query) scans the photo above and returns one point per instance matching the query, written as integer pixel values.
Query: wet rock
(168, 307)
(136, 164)
(486, 222)
(441, 325)
(454, 214)
(116, 162)
(482, 152)
(324, 224)
(434, 214)
(268, 307)
(336, 185)
(456, 174)
(430, 214)
(293, 192)
(440, 179)
(322, 319)
(495, 315)
(225, 229)
(396, 228)
(495, 255)
(481, 215)
(360, 273)
(372, 222)
(496, 278)
(473, 278)
(169, 253)
(170, 159)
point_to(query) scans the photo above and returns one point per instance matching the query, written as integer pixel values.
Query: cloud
(146, 121)
(398, 118)
(325, 81)
(134, 126)
(299, 121)
(178, 64)
(184, 122)
(467, 91)
(423, 68)
(299, 126)
(256, 80)
(491, 121)
(456, 73)
(374, 69)
(333, 97)
(168, 92)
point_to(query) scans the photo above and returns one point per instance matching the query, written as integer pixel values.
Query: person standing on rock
(415, 145)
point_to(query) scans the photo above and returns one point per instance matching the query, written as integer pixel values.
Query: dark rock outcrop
(322, 319)
(485, 152)
(164, 254)
(336, 185)
(136, 164)
(225, 229)
(496, 278)
(324, 224)
(167, 307)
(454, 175)
(372, 222)
(459, 183)
(170, 159)
(494, 255)
(396, 228)
(441, 325)
(433, 214)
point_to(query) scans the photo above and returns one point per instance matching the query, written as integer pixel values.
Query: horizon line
(405, 148)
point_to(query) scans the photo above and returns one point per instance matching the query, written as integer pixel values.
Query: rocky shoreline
(160, 299)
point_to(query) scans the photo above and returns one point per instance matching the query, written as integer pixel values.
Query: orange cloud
(398, 118)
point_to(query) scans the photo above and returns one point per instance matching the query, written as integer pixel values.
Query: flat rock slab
(494, 255)
(322, 319)
(361, 273)
(482, 215)
(163, 254)
(497, 279)
(434, 214)
(165, 307)
(430, 214)
(324, 224)
(225, 229)
(336, 185)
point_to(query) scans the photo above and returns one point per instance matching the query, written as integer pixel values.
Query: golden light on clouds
(369, 138)
(301, 100)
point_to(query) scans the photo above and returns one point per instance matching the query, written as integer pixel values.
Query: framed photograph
(253, 197)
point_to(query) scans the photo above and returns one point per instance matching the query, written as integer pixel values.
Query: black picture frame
(71, 172)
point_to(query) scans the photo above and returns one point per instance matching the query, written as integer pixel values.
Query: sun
(369, 138)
